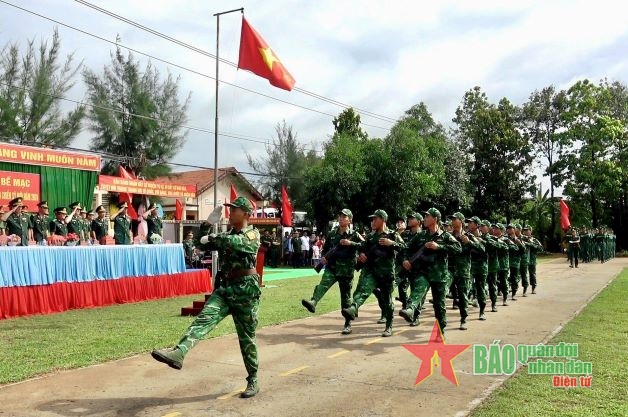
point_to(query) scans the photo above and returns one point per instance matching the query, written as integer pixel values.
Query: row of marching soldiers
(91, 227)
(589, 245)
(467, 258)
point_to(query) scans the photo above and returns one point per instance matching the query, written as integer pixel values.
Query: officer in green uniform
(3, 224)
(41, 223)
(16, 222)
(514, 259)
(84, 225)
(426, 259)
(153, 222)
(188, 248)
(535, 248)
(479, 263)
(524, 260)
(377, 256)
(239, 296)
(74, 220)
(414, 223)
(87, 226)
(492, 246)
(574, 246)
(122, 225)
(338, 257)
(59, 225)
(100, 226)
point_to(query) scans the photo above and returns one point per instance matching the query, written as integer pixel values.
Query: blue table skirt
(41, 265)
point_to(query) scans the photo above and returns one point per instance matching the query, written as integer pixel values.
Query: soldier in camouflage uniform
(503, 252)
(414, 223)
(525, 259)
(479, 264)
(339, 252)
(492, 246)
(426, 260)
(377, 255)
(16, 222)
(41, 223)
(238, 294)
(514, 260)
(3, 224)
(535, 248)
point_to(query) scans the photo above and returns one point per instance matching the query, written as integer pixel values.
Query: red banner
(161, 189)
(28, 155)
(20, 184)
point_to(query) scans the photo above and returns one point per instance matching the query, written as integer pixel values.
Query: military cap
(415, 215)
(456, 215)
(347, 213)
(510, 226)
(485, 223)
(381, 214)
(152, 206)
(16, 202)
(91, 213)
(476, 220)
(499, 226)
(447, 223)
(526, 228)
(122, 205)
(100, 209)
(83, 210)
(517, 226)
(43, 204)
(433, 212)
(74, 205)
(241, 203)
(60, 210)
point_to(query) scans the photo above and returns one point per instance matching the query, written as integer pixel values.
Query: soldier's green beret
(381, 214)
(16, 202)
(415, 215)
(432, 212)
(347, 213)
(456, 215)
(241, 203)
(476, 220)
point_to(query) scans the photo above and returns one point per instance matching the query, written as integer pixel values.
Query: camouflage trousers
(479, 275)
(240, 299)
(532, 274)
(461, 285)
(419, 285)
(513, 279)
(523, 272)
(367, 282)
(402, 283)
(503, 277)
(492, 286)
(327, 281)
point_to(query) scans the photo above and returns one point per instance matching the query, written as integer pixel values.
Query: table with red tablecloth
(42, 280)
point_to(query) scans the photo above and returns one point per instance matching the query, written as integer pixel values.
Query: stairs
(196, 308)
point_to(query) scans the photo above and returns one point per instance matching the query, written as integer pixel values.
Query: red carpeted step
(190, 311)
(198, 304)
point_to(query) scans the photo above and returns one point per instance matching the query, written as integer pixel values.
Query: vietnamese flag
(178, 209)
(286, 208)
(233, 196)
(257, 57)
(127, 197)
(564, 215)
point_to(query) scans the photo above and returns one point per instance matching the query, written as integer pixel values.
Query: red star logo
(430, 353)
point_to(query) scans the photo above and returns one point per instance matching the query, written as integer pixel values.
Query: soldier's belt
(239, 273)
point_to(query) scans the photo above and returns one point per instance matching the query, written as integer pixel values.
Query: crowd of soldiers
(588, 245)
(91, 227)
(472, 261)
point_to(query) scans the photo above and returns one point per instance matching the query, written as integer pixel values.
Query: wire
(141, 116)
(180, 66)
(225, 61)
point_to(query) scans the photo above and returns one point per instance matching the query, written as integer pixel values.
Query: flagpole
(215, 253)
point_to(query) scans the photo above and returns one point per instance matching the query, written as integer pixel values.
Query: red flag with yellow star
(257, 57)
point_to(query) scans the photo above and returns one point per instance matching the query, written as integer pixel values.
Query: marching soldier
(414, 222)
(378, 260)
(535, 248)
(238, 296)
(338, 257)
(122, 225)
(492, 246)
(41, 224)
(426, 259)
(479, 263)
(574, 246)
(525, 259)
(503, 252)
(17, 223)
(514, 259)
(100, 226)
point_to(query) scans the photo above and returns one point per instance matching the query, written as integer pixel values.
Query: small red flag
(257, 57)
(233, 195)
(286, 208)
(564, 215)
(178, 210)
(127, 197)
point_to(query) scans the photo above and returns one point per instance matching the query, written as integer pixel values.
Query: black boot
(252, 388)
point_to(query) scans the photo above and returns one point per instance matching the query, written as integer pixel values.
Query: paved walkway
(309, 369)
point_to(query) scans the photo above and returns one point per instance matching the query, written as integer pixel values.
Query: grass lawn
(40, 344)
(601, 332)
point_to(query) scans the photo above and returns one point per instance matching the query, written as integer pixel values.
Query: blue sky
(380, 56)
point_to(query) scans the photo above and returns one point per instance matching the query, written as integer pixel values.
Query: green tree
(499, 171)
(594, 173)
(543, 126)
(285, 163)
(137, 115)
(348, 123)
(32, 88)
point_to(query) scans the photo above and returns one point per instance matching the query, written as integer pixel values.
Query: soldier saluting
(16, 222)
(41, 223)
(238, 295)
